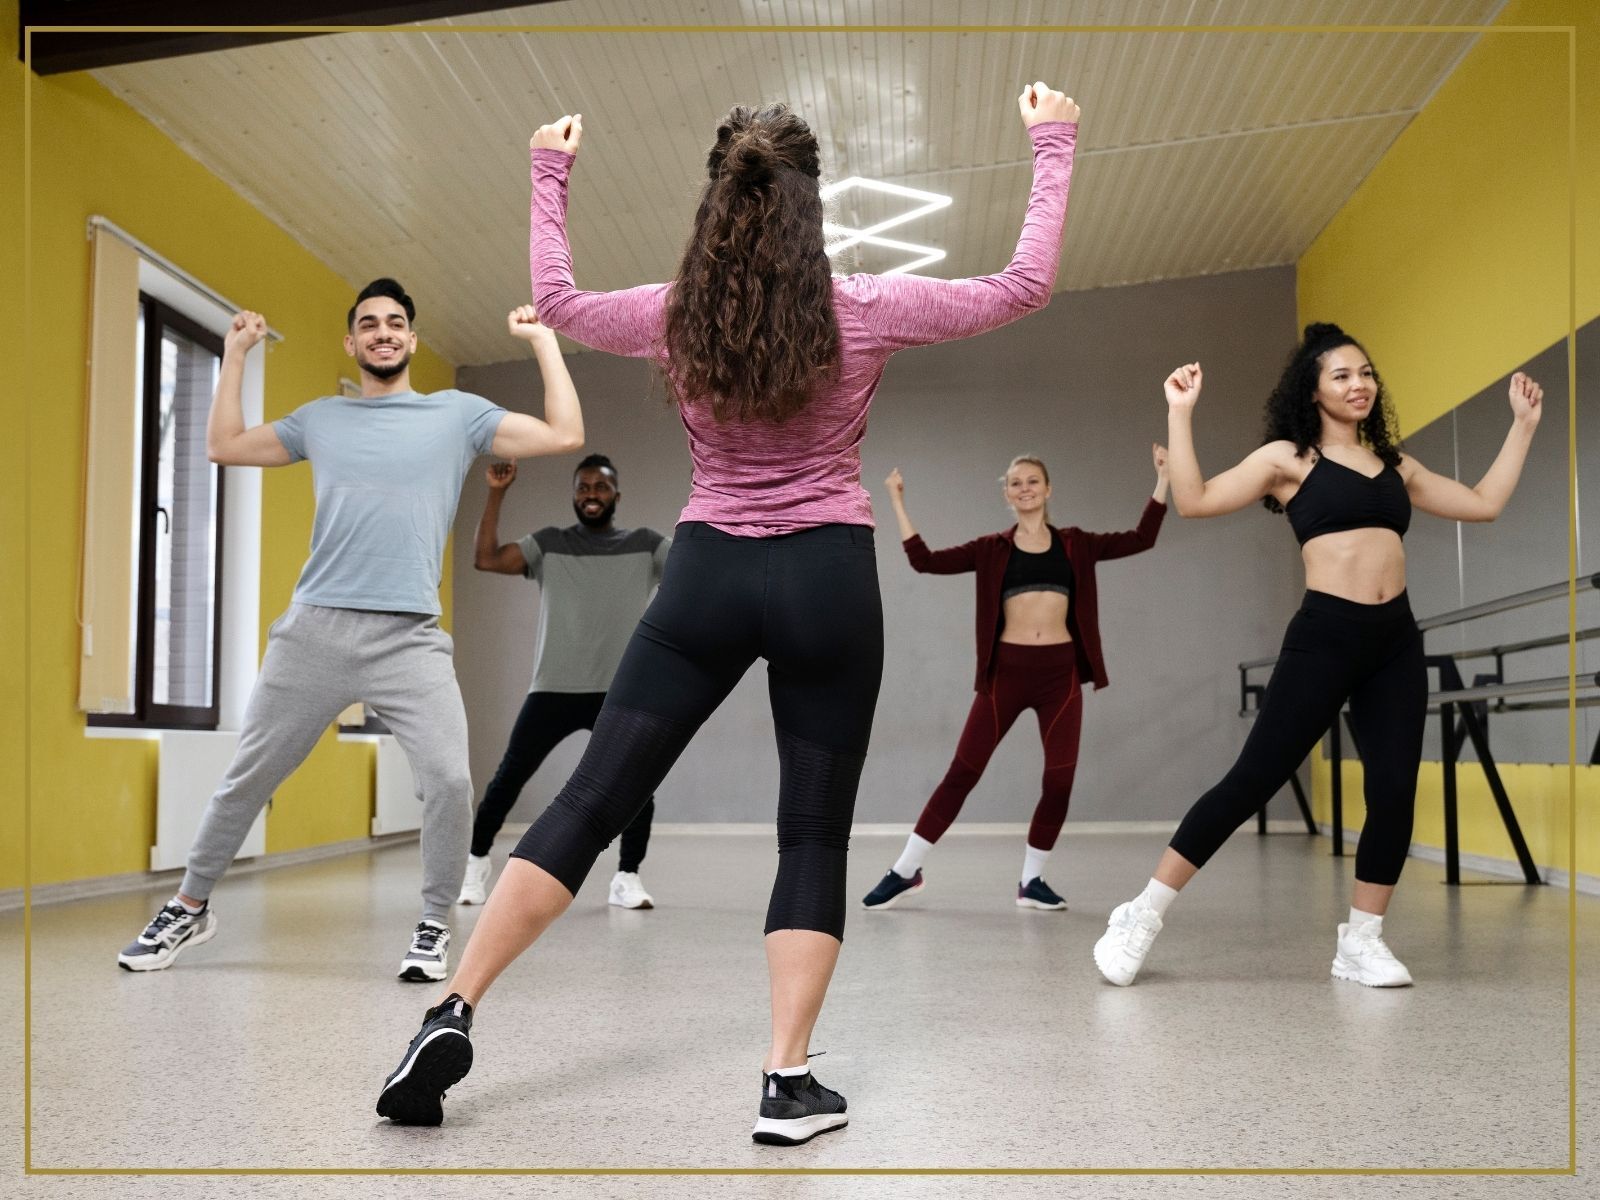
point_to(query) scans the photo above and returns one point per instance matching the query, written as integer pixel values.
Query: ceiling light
(843, 237)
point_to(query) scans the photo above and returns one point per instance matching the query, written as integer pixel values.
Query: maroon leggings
(1045, 679)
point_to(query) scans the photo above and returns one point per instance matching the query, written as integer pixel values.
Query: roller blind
(107, 598)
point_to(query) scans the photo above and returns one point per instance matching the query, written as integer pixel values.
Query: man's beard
(599, 520)
(385, 371)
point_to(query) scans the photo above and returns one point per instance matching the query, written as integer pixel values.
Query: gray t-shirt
(387, 473)
(593, 590)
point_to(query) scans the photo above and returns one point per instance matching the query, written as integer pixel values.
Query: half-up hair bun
(754, 144)
(751, 160)
(1325, 331)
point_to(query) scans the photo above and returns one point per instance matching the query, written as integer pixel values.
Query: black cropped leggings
(1334, 650)
(806, 602)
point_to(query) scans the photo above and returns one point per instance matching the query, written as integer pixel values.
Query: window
(178, 527)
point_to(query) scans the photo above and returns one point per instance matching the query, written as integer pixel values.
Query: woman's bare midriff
(1036, 619)
(1367, 566)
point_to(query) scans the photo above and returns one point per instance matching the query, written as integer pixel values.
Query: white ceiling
(1200, 152)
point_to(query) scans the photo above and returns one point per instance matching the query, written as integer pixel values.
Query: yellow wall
(1450, 260)
(1538, 793)
(1451, 263)
(93, 801)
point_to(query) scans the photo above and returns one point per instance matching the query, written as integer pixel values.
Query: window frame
(147, 714)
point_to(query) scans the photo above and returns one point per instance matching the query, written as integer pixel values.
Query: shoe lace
(170, 914)
(426, 939)
(1140, 934)
(1372, 943)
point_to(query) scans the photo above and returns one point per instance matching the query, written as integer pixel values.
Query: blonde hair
(1034, 460)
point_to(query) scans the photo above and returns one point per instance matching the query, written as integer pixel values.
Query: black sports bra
(1344, 498)
(1048, 570)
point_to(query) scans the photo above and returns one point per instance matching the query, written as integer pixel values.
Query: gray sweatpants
(319, 661)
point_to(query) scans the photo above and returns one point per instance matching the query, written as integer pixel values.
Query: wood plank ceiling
(1201, 152)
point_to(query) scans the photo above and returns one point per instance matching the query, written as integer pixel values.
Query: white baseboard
(964, 829)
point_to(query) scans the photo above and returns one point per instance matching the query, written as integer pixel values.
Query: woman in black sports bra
(1331, 462)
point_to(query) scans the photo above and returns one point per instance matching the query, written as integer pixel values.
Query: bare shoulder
(1410, 468)
(1281, 457)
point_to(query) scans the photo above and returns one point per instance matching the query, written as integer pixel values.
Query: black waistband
(1390, 610)
(859, 535)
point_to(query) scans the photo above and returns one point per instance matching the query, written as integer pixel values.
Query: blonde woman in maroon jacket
(1038, 635)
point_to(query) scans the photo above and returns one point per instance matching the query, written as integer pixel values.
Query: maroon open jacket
(988, 556)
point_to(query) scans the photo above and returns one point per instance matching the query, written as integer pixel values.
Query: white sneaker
(1121, 950)
(428, 960)
(627, 891)
(1361, 956)
(475, 886)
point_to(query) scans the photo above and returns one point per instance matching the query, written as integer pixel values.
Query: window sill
(122, 732)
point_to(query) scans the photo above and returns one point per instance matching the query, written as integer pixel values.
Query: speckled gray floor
(966, 1033)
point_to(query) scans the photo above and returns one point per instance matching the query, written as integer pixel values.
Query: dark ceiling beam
(83, 50)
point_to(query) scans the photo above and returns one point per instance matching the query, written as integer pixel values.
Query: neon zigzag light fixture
(928, 202)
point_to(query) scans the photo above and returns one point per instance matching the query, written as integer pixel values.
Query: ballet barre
(1463, 710)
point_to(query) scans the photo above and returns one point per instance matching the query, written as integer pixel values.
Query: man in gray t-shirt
(595, 580)
(363, 624)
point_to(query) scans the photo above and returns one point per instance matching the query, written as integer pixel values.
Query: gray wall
(1525, 548)
(1079, 384)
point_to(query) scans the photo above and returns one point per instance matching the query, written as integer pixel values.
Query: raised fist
(246, 329)
(564, 133)
(1183, 386)
(1039, 103)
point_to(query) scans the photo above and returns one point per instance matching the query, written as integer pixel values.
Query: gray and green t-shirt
(593, 590)
(387, 472)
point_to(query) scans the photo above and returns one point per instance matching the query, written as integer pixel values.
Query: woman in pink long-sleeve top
(773, 362)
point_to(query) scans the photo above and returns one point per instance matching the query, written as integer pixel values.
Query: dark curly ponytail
(1292, 412)
(750, 327)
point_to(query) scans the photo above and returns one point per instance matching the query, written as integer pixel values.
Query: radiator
(398, 808)
(191, 765)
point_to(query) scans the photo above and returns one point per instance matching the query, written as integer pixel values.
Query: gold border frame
(1572, 645)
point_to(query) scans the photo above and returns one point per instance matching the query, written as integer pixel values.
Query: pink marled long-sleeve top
(764, 478)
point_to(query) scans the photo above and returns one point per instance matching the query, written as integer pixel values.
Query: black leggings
(808, 603)
(546, 719)
(1333, 650)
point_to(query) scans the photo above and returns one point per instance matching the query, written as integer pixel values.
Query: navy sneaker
(173, 930)
(795, 1108)
(890, 888)
(1036, 893)
(438, 1058)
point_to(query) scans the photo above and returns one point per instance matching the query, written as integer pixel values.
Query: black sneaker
(1036, 893)
(795, 1108)
(890, 888)
(173, 928)
(428, 959)
(438, 1058)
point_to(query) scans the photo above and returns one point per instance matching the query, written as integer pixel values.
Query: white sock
(790, 1072)
(1033, 861)
(910, 860)
(191, 909)
(1157, 895)
(1357, 917)
(477, 858)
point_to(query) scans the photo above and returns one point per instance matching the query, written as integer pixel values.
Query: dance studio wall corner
(92, 800)
(1451, 262)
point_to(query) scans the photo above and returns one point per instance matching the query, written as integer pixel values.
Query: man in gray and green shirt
(595, 580)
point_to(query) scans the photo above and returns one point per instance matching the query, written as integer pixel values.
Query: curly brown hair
(750, 326)
(1292, 413)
